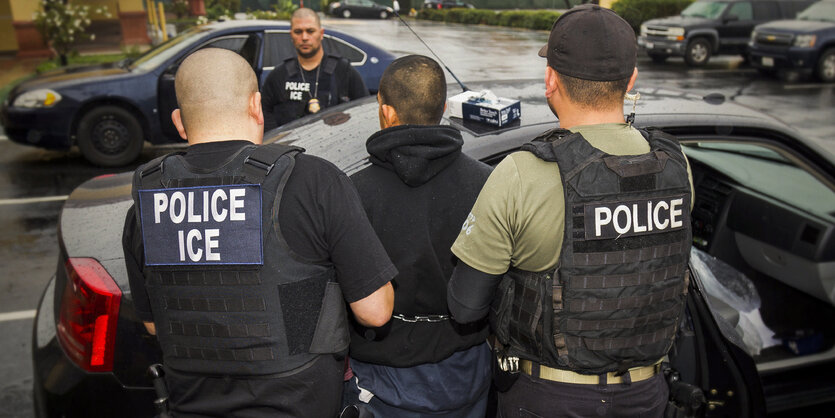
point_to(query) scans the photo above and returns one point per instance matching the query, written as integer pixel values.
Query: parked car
(712, 27)
(764, 204)
(110, 110)
(446, 4)
(805, 44)
(360, 8)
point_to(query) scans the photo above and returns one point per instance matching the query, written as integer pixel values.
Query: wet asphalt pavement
(28, 246)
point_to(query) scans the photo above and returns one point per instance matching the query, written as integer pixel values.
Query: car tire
(658, 58)
(110, 136)
(697, 53)
(384, 15)
(825, 69)
(346, 14)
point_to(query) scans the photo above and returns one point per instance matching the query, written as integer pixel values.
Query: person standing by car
(310, 81)
(238, 257)
(417, 192)
(581, 241)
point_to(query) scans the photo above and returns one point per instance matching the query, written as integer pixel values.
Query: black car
(446, 4)
(110, 110)
(712, 27)
(764, 206)
(805, 44)
(360, 8)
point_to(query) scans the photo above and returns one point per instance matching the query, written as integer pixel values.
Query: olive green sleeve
(485, 241)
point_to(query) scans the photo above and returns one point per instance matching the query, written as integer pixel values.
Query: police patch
(202, 225)
(637, 217)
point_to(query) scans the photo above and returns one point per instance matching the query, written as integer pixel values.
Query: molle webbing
(625, 280)
(603, 344)
(630, 256)
(190, 329)
(221, 354)
(206, 278)
(622, 303)
(251, 304)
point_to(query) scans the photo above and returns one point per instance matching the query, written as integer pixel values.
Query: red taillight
(89, 313)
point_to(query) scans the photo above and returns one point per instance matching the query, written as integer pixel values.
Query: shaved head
(214, 87)
(304, 13)
(415, 87)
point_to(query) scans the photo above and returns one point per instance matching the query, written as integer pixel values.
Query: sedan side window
(232, 43)
(278, 48)
(344, 49)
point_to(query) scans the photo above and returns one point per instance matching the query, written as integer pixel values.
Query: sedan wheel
(346, 14)
(826, 66)
(110, 136)
(384, 15)
(698, 52)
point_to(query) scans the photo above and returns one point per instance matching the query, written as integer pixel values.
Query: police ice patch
(202, 225)
(636, 217)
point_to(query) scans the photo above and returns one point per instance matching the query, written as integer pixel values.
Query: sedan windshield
(168, 49)
(823, 11)
(705, 9)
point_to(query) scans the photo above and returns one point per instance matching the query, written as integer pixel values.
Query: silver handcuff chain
(421, 318)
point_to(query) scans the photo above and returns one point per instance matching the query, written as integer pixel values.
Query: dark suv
(806, 44)
(712, 27)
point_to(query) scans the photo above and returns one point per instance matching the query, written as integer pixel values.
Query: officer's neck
(576, 116)
(309, 64)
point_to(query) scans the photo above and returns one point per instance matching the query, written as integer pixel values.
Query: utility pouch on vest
(500, 310)
(685, 400)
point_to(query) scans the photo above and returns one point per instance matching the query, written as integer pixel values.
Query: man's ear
(389, 115)
(550, 81)
(255, 109)
(632, 79)
(178, 123)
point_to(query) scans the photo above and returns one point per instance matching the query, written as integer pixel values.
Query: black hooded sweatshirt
(417, 194)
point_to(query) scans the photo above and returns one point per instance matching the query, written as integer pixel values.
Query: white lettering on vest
(237, 198)
(613, 219)
(160, 205)
(177, 212)
(218, 216)
(599, 220)
(622, 229)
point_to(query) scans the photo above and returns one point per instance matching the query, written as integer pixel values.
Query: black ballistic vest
(329, 92)
(616, 296)
(233, 318)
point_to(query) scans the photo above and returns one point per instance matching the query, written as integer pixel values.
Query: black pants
(315, 392)
(531, 397)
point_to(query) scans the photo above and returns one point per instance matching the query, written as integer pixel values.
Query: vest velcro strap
(256, 304)
(650, 163)
(625, 280)
(596, 305)
(586, 325)
(188, 329)
(629, 256)
(207, 278)
(601, 344)
(246, 354)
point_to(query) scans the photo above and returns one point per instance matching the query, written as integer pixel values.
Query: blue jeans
(381, 409)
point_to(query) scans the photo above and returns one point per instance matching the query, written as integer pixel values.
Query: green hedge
(639, 11)
(528, 19)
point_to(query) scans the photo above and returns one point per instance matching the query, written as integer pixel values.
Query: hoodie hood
(415, 152)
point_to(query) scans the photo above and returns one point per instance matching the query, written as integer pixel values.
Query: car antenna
(463, 87)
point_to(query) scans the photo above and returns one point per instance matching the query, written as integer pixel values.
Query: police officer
(312, 80)
(417, 191)
(241, 257)
(581, 240)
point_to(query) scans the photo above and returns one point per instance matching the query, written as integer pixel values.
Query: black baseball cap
(592, 43)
